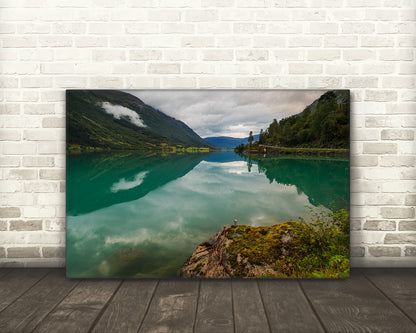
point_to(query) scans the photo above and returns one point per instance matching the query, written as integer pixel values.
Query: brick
(359, 54)
(107, 82)
(218, 55)
(361, 82)
(364, 161)
(55, 41)
(252, 82)
(198, 41)
(52, 174)
(39, 109)
(252, 55)
(125, 41)
(180, 54)
(36, 82)
(9, 212)
(53, 122)
(325, 82)
(379, 148)
(384, 251)
(358, 28)
(195, 15)
(323, 28)
(407, 225)
(144, 55)
(398, 82)
(378, 68)
(163, 68)
(325, 54)
(30, 225)
(394, 134)
(109, 55)
(164, 15)
(162, 41)
(410, 251)
(341, 41)
(305, 41)
(19, 41)
(9, 161)
(39, 187)
(397, 212)
(396, 55)
(384, 199)
(55, 225)
(90, 41)
(305, 68)
(23, 252)
(249, 28)
(380, 225)
(142, 28)
(198, 68)
(179, 82)
(129, 68)
(410, 200)
(21, 174)
(19, 148)
(355, 225)
(40, 135)
(38, 161)
(341, 68)
(265, 42)
(49, 147)
(296, 55)
(2, 252)
(397, 161)
(53, 252)
(106, 28)
(177, 28)
(68, 28)
(9, 135)
(9, 109)
(357, 251)
(400, 238)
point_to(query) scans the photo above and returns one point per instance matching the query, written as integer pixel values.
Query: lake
(135, 214)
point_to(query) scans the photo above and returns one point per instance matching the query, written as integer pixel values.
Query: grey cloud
(228, 112)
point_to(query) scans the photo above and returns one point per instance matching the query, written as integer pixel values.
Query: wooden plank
(287, 308)
(172, 308)
(354, 305)
(17, 282)
(77, 312)
(399, 285)
(249, 315)
(215, 308)
(128, 307)
(4, 271)
(29, 310)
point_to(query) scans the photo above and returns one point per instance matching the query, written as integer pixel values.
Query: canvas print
(207, 183)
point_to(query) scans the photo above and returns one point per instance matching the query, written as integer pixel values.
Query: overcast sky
(228, 112)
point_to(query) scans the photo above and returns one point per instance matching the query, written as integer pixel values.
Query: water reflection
(150, 212)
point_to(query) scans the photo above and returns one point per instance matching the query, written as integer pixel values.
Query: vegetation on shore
(322, 128)
(288, 250)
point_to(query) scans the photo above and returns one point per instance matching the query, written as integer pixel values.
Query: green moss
(295, 249)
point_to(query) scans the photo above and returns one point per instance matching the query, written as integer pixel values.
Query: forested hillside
(112, 119)
(323, 124)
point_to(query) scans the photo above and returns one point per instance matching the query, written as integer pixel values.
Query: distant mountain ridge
(228, 141)
(112, 119)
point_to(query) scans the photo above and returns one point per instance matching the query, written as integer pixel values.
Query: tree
(250, 138)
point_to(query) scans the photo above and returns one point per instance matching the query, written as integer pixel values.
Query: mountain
(323, 124)
(113, 119)
(228, 141)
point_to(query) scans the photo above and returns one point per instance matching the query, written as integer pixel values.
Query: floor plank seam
(7, 273)
(197, 303)
(312, 307)
(148, 306)
(27, 290)
(56, 305)
(264, 308)
(100, 314)
(386, 296)
(232, 306)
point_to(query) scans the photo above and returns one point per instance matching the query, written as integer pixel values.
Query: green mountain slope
(131, 124)
(324, 123)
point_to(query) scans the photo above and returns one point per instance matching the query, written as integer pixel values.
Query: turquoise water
(142, 215)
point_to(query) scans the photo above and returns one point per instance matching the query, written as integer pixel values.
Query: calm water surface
(132, 214)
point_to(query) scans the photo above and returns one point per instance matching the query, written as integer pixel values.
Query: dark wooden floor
(371, 300)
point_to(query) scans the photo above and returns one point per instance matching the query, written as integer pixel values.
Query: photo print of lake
(207, 183)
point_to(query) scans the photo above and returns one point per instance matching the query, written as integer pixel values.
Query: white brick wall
(365, 46)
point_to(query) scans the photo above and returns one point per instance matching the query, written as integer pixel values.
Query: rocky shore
(245, 251)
